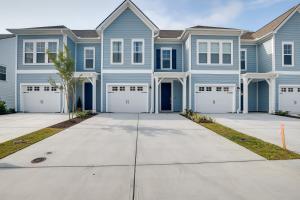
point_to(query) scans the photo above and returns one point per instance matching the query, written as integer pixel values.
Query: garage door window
(132, 88)
(122, 88)
(283, 89)
(298, 89)
(140, 89)
(219, 89)
(291, 90)
(201, 89)
(226, 89)
(208, 89)
(46, 88)
(53, 89)
(114, 89)
(36, 88)
(29, 88)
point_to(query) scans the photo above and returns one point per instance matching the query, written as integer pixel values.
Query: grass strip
(14, 145)
(258, 146)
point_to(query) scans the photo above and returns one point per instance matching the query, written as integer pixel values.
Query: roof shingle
(170, 33)
(5, 36)
(86, 33)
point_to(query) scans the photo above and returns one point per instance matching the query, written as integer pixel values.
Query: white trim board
(127, 71)
(215, 72)
(37, 71)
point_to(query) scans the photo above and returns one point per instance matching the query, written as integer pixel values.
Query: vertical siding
(33, 78)
(251, 57)
(264, 51)
(7, 59)
(263, 96)
(125, 78)
(214, 79)
(128, 26)
(179, 58)
(290, 31)
(80, 56)
(285, 80)
(21, 38)
(235, 62)
(177, 96)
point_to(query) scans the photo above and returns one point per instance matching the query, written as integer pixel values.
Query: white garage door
(41, 98)
(289, 98)
(127, 98)
(214, 99)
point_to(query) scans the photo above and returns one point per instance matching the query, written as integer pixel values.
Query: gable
(292, 25)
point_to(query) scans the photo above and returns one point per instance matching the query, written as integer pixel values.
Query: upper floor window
(35, 51)
(138, 51)
(2, 73)
(166, 58)
(244, 59)
(89, 58)
(288, 53)
(214, 52)
(117, 51)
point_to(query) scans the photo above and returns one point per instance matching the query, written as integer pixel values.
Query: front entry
(166, 96)
(88, 96)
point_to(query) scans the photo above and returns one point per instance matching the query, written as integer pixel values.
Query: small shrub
(79, 104)
(11, 110)
(282, 113)
(3, 108)
(83, 114)
(198, 118)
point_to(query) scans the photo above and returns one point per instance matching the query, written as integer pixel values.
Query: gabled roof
(86, 33)
(170, 33)
(273, 25)
(5, 36)
(247, 35)
(123, 6)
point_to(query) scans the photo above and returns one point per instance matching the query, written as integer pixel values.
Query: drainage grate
(243, 139)
(38, 160)
(49, 153)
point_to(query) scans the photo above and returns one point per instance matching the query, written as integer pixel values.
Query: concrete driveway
(131, 156)
(265, 127)
(15, 125)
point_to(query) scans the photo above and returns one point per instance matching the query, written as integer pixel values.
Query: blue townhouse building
(130, 65)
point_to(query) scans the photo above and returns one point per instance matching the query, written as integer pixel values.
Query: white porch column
(94, 83)
(272, 95)
(245, 95)
(184, 94)
(156, 95)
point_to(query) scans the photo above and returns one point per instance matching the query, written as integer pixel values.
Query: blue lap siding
(80, 56)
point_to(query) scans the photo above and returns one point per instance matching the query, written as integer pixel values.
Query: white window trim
(94, 57)
(209, 52)
(161, 57)
(35, 41)
(111, 51)
(246, 67)
(132, 51)
(293, 53)
(5, 73)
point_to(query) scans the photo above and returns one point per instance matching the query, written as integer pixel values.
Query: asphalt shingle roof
(86, 33)
(170, 33)
(4, 36)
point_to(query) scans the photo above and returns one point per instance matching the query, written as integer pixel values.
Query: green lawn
(260, 147)
(14, 145)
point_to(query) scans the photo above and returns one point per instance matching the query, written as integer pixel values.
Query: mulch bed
(69, 123)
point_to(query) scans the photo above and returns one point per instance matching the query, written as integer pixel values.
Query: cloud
(263, 3)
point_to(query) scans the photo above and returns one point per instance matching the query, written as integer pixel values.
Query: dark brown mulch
(69, 123)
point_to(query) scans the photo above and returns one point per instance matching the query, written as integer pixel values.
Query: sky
(166, 14)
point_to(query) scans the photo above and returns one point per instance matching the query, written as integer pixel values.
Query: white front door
(214, 99)
(127, 98)
(289, 98)
(41, 98)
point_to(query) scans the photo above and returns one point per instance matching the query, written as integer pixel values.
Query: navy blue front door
(166, 95)
(88, 96)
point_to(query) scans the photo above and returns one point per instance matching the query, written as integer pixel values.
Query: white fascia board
(127, 71)
(295, 73)
(215, 72)
(36, 71)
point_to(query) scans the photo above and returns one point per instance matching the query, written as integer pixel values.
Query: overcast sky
(167, 14)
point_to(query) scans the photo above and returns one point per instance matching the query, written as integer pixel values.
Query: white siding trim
(36, 72)
(127, 71)
(288, 72)
(16, 76)
(273, 54)
(215, 72)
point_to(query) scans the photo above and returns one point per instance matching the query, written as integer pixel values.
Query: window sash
(89, 58)
(166, 58)
(117, 52)
(138, 52)
(288, 54)
(243, 59)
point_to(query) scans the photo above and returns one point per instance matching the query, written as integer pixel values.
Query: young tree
(64, 64)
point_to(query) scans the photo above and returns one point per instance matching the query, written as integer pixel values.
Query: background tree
(64, 64)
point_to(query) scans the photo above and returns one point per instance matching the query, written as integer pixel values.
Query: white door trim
(172, 84)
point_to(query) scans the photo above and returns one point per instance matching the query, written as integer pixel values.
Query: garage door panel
(39, 98)
(214, 99)
(127, 98)
(289, 98)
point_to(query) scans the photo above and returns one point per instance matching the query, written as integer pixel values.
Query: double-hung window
(36, 51)
(288, 54)
(166, 58)
(89, 58)
(243, 59)
(116, 51)
(138, 51)
(214, 52)
(2, 73)
(202, 53)
(227, 48)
